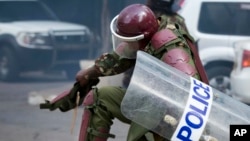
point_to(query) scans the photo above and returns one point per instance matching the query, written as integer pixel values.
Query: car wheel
(8, 65)
(219, 78)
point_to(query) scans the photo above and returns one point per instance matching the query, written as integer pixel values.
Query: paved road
(33, 125)
(22, 120)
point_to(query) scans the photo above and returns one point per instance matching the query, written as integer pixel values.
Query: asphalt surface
(22, 120)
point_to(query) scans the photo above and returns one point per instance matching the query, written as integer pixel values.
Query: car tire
(9, 70)
(219, 78)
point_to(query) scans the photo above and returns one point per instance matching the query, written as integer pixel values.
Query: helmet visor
(125, 47)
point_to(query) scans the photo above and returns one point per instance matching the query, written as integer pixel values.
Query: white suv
(216, 25)
(32, 38)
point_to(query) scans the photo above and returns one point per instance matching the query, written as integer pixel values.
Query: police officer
(135, 28)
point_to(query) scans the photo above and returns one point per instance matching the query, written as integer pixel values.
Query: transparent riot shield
(178, 107)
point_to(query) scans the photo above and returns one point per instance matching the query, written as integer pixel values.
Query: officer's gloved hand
(67, 100)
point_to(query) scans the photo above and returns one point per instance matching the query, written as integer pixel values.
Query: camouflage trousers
(107, 107)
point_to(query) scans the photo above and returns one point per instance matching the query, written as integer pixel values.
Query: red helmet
(133, 27)
(167, 6)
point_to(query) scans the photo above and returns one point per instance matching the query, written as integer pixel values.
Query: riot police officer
(135, 28)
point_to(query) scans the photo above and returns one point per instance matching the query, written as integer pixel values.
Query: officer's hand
(81, 77)
(64, 102)
(68, 99)
(87, 76)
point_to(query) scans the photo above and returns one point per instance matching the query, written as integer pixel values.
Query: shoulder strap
(197, 62)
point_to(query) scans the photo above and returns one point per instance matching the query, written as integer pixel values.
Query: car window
(224, 18)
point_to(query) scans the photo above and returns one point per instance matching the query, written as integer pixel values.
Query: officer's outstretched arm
(68, 99)
(106, 65)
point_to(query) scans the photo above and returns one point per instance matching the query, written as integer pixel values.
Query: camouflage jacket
(174, 19)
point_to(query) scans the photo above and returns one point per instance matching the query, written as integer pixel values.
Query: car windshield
(229, 18)
(24, 10)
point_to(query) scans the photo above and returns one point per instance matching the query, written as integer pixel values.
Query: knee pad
(86, 132)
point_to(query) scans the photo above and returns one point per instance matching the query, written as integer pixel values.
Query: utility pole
(105, 31)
